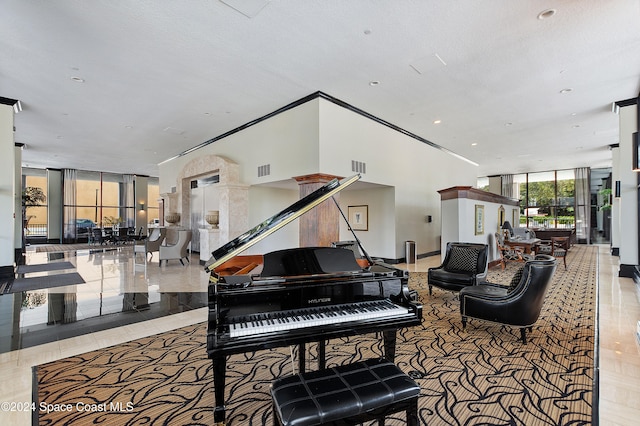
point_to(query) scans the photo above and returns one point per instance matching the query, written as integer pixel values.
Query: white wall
(287, 141)
(321, 137)
(628, 188)
(416, 171)
(459, 222)
(381, 213)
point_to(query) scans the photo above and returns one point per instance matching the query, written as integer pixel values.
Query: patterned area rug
(482, 376)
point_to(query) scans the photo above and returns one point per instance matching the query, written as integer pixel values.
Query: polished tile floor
(111, 308)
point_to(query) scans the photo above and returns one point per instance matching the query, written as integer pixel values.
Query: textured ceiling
(162, 76)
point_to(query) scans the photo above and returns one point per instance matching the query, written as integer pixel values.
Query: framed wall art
(359, 217)
(479, 219)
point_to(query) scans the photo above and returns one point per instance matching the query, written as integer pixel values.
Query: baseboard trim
(7, 272)
(628, 271)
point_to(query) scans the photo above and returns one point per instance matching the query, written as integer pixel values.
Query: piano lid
(277, 221)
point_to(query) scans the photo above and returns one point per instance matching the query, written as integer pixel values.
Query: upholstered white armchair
(150, 244)
(178, 250)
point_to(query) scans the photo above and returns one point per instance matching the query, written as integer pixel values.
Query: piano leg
(389, 338)
(302, 351)
(321, 354)
(219, 375)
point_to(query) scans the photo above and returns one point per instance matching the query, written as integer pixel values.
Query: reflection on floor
(110, 308)
(117, 292)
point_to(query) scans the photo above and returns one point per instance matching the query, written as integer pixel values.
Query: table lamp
(507, 229)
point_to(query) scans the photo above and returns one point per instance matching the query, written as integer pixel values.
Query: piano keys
(265, 323)
(298, 296)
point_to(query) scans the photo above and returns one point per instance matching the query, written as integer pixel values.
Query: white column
(54, 205)
(615, 206)
(142, 200)
(10, 196)
(628, 190)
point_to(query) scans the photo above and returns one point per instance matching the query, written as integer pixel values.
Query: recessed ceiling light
(545, 14)
(567, 90)
(367, 31)
(575, 126)
(77, 79)
(128, 127)
(508, 124)
(474, 144)
(374, 83)
(437, 121)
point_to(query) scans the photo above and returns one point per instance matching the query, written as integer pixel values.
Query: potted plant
(32, 196)
(606, 198)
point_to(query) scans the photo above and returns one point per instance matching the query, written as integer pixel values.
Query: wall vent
(358, 166)
(264, 170)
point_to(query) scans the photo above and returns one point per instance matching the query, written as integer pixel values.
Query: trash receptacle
(410, 251)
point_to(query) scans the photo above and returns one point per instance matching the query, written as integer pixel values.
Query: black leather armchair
(518, 304)
(464, 264)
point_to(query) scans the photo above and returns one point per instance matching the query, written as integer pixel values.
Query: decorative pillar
(172, 215)
(320, 226)
(234, 211)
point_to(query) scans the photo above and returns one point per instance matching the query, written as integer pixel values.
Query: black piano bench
(345, 395)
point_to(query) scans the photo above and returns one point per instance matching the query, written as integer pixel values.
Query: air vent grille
(358, 166)
(264, 170)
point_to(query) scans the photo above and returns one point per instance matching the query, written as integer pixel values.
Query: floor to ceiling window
(547, 199)
(100, 200)
(153, 197)
(35, 217)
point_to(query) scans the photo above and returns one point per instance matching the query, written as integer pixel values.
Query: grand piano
(300, 295)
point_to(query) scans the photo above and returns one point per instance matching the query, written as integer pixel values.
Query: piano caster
(219, 416)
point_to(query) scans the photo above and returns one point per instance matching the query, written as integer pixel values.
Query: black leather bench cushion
(322, 396)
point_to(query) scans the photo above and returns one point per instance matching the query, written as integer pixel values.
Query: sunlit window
(547, 199)
(101, 200)
(35, 216)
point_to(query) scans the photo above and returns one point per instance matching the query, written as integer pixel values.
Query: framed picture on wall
(359, 218)
(479, 228)
(502, 216)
